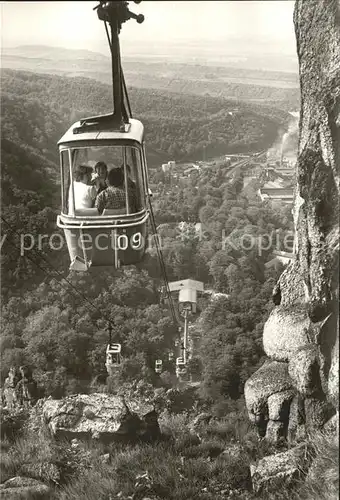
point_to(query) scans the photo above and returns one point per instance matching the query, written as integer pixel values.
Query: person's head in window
(115, 178)
(101, 170)
(83, 174)
(99, 177)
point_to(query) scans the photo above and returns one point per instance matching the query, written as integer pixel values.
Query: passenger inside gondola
(114, 196)
(84, 192)
(100, 176)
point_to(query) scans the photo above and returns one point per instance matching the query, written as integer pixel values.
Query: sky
(73, 24)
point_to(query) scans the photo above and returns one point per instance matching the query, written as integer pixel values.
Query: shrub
(38, 456)
(175, 426)
(234, 427)
(12, 423)
(207, 449)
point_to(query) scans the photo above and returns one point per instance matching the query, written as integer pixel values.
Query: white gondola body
(158, 366)
(181, 368)
(115, 237)
(113, 358)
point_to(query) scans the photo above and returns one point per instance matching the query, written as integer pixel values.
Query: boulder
(331, 427)
(23, 488)
(325, 336)
(318, 411)
(296, 424)
(333, 376)
(304, 370)
(279, 404)
(286, 332)
(102, 416)
(271, 378)
(275, 431)
(283, 469)
(9, 393)
(290, 286)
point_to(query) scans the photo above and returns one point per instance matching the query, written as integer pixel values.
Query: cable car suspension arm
(114, 14)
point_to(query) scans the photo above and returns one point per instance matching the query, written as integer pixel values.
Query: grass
(167, 475)
(174, 425)
(322, 481)
(234, 427)
(181, 468)
(40, 457)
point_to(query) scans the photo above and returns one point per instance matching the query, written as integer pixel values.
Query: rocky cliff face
(301, 334)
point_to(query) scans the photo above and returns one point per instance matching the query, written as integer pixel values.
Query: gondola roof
(135, 133)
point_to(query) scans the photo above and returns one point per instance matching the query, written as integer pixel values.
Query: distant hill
(52, 53)
(277, 88)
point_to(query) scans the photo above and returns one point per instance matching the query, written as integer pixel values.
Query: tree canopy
(211, 229)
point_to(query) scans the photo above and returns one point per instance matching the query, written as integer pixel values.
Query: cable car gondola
(113, 358)
(158, 366)
(181, 368)
(112, 236)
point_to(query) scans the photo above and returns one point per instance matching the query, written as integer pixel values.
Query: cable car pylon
(187, 305)
(114, 14)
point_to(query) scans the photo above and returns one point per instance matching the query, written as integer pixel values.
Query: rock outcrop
(268, 394)
(302, 330)
(20, 389)
(9, 395)
(274, 471)
(101, 416)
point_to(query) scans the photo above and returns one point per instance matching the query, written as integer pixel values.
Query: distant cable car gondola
(158, 365)
(181, 368)
(115, 235)
(113, 358)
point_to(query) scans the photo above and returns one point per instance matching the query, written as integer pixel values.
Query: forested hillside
(178, 126)
(46, 318)
(276, 88)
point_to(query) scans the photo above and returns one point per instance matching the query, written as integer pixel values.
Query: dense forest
(58, 327)
(178, 126)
